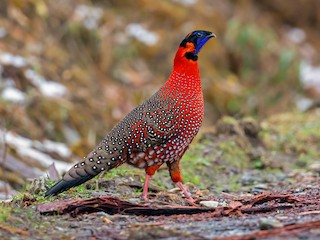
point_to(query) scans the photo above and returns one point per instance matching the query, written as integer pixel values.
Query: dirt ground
(289, 212)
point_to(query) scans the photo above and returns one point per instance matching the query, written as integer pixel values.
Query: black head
(196, 41)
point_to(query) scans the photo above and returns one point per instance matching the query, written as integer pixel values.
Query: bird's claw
(145, 198)
(192, 202)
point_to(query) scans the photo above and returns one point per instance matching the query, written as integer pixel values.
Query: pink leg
(186, 193)
(145, 188)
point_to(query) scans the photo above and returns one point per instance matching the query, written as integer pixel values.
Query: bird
(157, 131)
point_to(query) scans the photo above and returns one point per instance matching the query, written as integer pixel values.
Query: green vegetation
(296, 134)
(123, 170)
(5, 212)
(192, 165)
(233, 154)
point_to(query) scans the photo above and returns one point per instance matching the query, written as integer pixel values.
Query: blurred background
(71, 69)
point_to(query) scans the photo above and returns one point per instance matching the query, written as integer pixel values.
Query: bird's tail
(64, 185)
(96, 162)
(78, 174)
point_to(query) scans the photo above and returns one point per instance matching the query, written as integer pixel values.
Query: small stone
(134, 200)
(223, 204)
(173, 190)
(269, 223)
(209, 204)
(103, 214)
(298, 190)
(248, 179)
(73, 225)
(60, 229)
(259, 188)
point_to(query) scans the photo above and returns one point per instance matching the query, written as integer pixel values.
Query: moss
(120, 171)
(229, 120)
(4, 213)
(233, 154)
(192, 165)
(233, 184)
(296, 134)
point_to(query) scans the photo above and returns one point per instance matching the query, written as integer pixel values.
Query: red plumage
(157, 131)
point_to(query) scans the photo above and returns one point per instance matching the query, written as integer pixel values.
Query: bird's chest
(189, 118)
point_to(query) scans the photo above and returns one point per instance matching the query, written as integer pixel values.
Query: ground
(262, 177)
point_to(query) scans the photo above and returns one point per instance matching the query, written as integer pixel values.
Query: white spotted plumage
(157, 131)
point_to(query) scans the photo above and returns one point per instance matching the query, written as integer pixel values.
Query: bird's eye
(199, 34)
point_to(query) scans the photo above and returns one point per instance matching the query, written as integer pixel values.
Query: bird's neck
(182, 64)
(185, 75)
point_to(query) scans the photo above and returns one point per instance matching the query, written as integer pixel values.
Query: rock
(209, 204)
(6, 192)
(259, 188)
(269, 223)
(228, 126)
(315, 167)
(103, 214)
(250, 127)
(248, 178)
(134, 200)
(73, 225)
(174, 190)
(223, 204)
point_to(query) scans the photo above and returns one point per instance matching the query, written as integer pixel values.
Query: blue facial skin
(201, 38)
(198, 39)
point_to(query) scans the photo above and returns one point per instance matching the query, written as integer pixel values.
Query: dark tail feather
(64, 185)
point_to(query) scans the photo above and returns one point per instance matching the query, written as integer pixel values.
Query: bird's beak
(211, 35)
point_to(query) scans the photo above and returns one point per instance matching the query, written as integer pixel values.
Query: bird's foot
(145, 198)
(192, 202)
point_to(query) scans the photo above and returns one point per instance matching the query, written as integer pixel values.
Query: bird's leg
(176, 177)
(150, 171)
(186, 193)
(145, 188)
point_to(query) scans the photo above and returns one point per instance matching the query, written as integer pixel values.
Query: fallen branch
(107, 204)
(112, 205)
